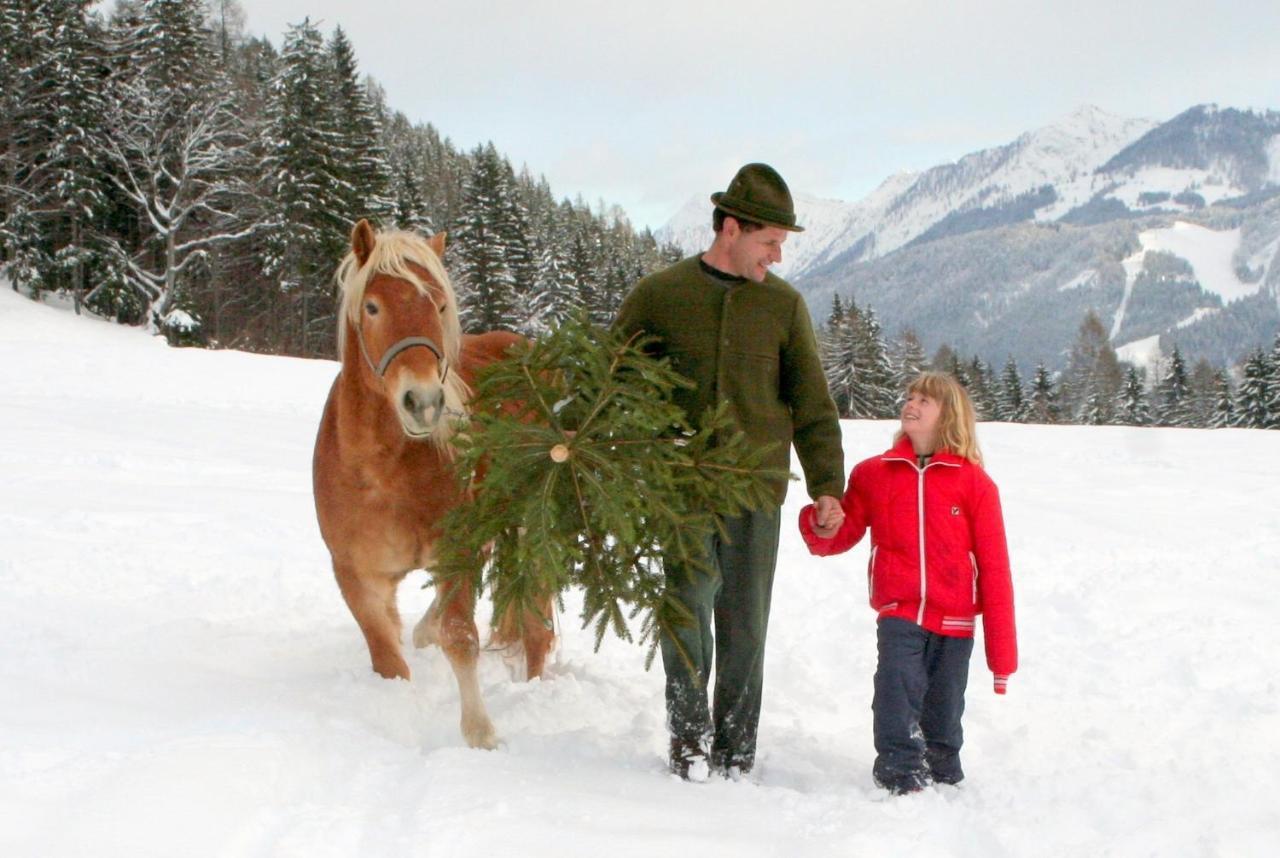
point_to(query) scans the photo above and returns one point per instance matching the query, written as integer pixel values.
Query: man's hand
(827, 516)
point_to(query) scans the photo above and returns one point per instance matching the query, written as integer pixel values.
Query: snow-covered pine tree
(309, 224)
(17, 37)
(945, 359)
(839, 356)
(408, 164)
(1132, 406)
(408, 183)
(515, 230)
(363, 174)
(982, 387)
(239, 303)
(1042, 402)
(1173, 394)
(1223, 413)
(583, 253)
(1091, 381)
(1253, 398)
(836, 317)
(74, 164)
(1202, 393)
(876, 384)
(540, 209)
(51, 181)
(487, 285)
(908, 360)
(600, 306)
(555, 296)
(858, 371)
(623, 264)
(1273, 384)
(1010, 401)
(446, 171)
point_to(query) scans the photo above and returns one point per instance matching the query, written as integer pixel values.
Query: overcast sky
(644, 103)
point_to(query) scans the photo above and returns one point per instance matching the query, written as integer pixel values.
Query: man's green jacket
(752, 345)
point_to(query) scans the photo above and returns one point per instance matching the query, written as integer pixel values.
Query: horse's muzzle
(420, 407)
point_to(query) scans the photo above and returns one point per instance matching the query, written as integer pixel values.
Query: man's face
(751, 253)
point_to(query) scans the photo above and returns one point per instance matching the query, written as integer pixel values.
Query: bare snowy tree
(176, 163)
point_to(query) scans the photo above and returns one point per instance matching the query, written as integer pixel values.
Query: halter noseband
(400, 346)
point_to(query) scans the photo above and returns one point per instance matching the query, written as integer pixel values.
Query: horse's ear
(437, 243)
(362, 241)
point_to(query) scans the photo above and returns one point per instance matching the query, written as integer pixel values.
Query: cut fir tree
(584, 474)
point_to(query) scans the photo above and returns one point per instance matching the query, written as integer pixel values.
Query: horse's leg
(372, 600)
(539, 636)
(460, 641)
(427, 631)
(528, 632)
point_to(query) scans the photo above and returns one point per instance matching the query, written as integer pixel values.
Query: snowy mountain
(1207, 281)
(182, 676)
(1050, 169)
(1001, 183)
(1169, 231)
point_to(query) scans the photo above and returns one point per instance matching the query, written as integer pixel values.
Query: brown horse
(382, 470)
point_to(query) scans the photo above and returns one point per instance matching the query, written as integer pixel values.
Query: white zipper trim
(924, 587)
(871, 571)
(973, 560)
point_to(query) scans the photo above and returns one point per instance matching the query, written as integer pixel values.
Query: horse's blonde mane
(393, 251)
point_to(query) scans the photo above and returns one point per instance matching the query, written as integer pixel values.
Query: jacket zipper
(923, 580)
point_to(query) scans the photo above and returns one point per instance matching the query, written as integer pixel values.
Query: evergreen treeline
(162, 168)
(867, 377)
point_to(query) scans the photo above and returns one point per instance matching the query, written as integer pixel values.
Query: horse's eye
(371, 308)
(443, 307)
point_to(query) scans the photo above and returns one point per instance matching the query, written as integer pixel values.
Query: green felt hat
(758, 193)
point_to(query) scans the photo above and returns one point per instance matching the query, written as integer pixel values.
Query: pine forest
(160, 167)
(164, 169)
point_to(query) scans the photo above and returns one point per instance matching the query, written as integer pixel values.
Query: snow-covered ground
(180, 676)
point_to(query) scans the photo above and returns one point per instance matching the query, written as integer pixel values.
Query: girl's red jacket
(938, 551)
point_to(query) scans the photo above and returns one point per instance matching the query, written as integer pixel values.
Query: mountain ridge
(1102, 202)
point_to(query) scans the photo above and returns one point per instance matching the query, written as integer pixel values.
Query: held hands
(827, 516)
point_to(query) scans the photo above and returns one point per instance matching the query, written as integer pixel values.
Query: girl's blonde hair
(957, 422)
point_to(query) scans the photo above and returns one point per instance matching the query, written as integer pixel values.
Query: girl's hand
(827, 516)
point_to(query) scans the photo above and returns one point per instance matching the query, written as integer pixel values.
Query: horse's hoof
(480, 734)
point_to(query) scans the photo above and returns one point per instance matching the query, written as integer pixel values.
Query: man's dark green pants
(736, 599)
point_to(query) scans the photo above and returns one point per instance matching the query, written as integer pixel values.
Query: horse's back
(479, 350)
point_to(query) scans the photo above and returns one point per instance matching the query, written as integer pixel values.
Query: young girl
(938, 558)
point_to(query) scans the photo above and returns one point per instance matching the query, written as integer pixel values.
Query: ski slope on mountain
(181, 676)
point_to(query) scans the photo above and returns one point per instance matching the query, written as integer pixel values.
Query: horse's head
(398, 303)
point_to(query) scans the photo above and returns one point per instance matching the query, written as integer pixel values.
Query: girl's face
(920, 415)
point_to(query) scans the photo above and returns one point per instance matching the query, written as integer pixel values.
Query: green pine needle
(640, 487)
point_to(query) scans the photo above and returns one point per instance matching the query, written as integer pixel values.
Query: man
(743, 336)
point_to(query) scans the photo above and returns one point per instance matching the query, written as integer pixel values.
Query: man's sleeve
(815, 423)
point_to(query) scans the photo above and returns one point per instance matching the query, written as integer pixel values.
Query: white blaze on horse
(382, 471)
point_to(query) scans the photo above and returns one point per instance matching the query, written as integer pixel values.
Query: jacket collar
(903, 451)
